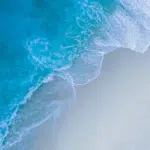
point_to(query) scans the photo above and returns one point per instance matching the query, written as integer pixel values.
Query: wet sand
(111, 113)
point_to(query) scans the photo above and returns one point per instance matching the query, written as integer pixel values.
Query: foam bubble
(39, 50)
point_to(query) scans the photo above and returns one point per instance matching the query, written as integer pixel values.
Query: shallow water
(65, 41)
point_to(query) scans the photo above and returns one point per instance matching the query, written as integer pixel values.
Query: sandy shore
(111, 113)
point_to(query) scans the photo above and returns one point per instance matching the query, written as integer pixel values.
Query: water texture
(48, 47)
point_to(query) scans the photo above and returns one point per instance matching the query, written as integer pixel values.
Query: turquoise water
(48, 47)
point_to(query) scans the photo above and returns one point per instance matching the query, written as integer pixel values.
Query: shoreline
(112, 93)
(99, 107)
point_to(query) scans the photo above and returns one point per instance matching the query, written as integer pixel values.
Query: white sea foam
(127, 26)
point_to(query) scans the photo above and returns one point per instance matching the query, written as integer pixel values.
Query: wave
(88, 30)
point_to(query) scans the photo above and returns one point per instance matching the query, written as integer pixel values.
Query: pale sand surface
(111, 113)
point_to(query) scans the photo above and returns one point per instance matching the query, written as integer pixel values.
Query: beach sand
(111, 112)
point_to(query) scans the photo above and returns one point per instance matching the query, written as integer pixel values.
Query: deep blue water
(65, 40)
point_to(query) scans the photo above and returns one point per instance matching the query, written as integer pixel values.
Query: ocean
(49, 47)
